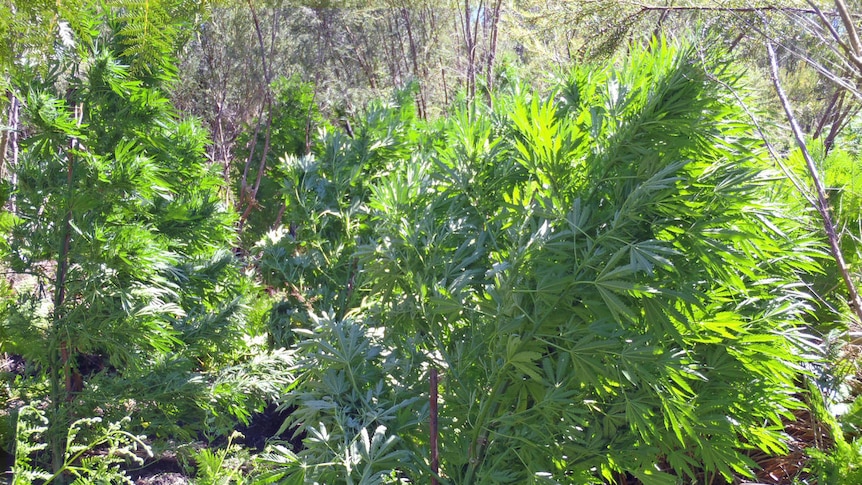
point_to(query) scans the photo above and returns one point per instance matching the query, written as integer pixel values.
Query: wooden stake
(435, 460)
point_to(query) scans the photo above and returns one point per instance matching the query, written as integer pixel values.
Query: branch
(822, 204)
(848, 24)
(765, 8)
(823, 70)
(246, 195)
(849, 51)
(826, 23)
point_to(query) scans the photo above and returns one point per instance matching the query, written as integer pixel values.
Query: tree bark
(9, 143)
(414, 57)
(248, 196)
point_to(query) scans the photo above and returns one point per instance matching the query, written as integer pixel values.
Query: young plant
(80, 460)
(353, 401)
(221, 466)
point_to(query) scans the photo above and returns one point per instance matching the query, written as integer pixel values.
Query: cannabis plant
(601, 275)
(118, 224)
(354, 395)
(309, 262)
(289, 127)
(353, 402)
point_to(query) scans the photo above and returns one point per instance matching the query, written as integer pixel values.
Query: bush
(603, 277)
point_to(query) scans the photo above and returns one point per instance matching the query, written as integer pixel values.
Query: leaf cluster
(353, 402)
(116, 447)
(602, 275)
(118, 229)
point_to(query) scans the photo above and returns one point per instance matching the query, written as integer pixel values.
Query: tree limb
(753, 9)
(851, 52)
(822, 205)
(852, 34)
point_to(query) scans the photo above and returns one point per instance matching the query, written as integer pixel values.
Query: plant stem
(479, 440)
(435, 460)
(60, 355)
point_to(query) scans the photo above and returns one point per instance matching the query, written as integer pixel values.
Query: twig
(753, 9)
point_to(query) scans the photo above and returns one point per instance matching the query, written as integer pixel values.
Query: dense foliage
(128, 294)
(615, 274)
(566, 266)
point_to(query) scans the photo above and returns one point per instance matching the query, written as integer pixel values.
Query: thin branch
(851, 29)
(250, 196)
(435, 459)
(826, 23)
(823, 70)
(829, 112)
(765, 8)
(848, 50)
(800, 187)
(822, 204)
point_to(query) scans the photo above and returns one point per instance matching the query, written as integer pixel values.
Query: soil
(264, 426)
(166, 469)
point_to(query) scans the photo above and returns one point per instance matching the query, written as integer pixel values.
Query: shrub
(603, 277)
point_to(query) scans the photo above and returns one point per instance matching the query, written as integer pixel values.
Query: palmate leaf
(279, 464)
(597, 274)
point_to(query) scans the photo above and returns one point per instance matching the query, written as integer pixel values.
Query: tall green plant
(118, 221)
(309, 262)
(603, 279)
(293, 127)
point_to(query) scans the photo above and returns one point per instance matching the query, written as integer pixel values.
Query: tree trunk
(414, 57)
(9, 143)
(248, 195)
(492, 50)
(470, 52)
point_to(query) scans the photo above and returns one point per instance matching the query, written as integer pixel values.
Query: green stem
(479, 440)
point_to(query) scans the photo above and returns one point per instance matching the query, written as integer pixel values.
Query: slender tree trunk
(9, 144)
(470, 51)
(394, 60)
(836, 115)
(414, 57)
(361, 58)
(822, 204)
(248, 196)
(4, 136)
(492, 50)
(403, 58)
(855, 49)
(60, 367)
(829, 112)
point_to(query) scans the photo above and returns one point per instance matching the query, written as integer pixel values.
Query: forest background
(399, 241)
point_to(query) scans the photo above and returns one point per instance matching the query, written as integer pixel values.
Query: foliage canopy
(602, 275)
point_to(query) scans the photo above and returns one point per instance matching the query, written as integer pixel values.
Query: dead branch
(822, 205)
